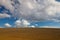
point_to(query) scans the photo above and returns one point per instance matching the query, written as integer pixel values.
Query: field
(29, 34)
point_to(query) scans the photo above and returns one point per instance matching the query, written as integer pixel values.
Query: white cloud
(7, 25)
(7, 4)
(54, 2)
(35, 10)
(23, 24)
(4, 15)
(38, 10)
(32, 26)
(18, 24)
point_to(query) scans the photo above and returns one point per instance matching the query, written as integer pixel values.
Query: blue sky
(58, 0)
(11, 20)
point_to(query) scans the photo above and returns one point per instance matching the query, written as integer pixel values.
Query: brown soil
(29, 34)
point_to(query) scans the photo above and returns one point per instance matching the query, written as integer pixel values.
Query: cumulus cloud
(4, 15)
(18, 24)
(35, 10)
(23, 24)
(7, 25)
(32, 26)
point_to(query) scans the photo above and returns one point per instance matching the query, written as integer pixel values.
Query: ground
(29, 34)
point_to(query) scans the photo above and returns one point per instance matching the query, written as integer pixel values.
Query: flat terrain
(29, 34)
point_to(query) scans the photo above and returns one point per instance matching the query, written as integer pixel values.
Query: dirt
(29, 34)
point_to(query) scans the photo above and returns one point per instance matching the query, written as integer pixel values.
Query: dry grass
(29, 34)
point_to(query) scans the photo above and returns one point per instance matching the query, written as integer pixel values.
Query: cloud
(33, 10)
(7, 4)
(32, 26)
(49, 27)
(7, 25)
(23, 24)
(4, 15)
(38, 10)
(18, 23)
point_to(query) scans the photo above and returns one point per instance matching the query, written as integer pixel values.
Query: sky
(30, 13)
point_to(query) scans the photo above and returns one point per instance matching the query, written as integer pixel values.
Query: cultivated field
(29, 34)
